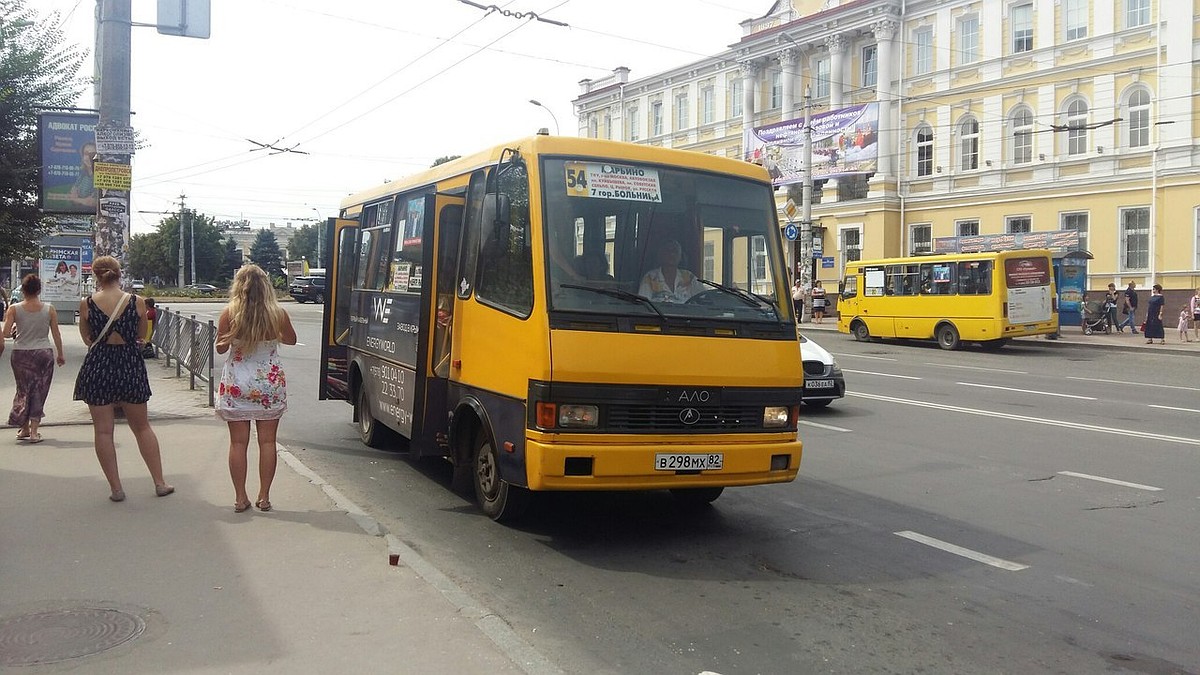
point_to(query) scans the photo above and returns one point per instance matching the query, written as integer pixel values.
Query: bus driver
(668, 282)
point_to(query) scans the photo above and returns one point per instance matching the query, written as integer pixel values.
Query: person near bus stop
(149, 350)
(253, 386)
(33, 358)
(798, 299)
(818, 302)
(1112, 300)
(1153, 328)
(1129, 309)
(113, 373)
(1194, 307)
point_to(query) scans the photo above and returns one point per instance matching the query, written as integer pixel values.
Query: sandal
(241, 508)
(117, 496)
(36, 438)
(22, 435)
(263, 504)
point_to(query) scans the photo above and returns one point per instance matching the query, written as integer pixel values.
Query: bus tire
(320, 299)
(691, 498)
(947, 337)
(860, 331)
(370, 430)
(498, 499)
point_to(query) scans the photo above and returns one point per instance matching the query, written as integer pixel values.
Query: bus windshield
(641, 239)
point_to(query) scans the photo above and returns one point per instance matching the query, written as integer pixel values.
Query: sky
(371, 90)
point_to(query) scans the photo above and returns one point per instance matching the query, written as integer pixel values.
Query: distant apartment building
(994, 117)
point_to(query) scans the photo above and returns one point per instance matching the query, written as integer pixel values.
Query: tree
(233, 261)
(157, 254)
(304, 243)
(443, 160)
(265, 253)
(37, 69)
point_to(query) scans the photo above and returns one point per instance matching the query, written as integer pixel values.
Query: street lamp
(538, 103)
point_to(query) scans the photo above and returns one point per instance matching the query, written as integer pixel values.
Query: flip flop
(22, 437)
(263, 505)
(36, 438)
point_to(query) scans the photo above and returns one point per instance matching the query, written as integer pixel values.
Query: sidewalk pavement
(1072, 336)
(183, 584)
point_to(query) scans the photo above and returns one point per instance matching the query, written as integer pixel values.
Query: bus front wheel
(947, 337)
(499, 499)
(861, 332)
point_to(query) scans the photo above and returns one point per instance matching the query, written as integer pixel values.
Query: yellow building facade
(995, 117)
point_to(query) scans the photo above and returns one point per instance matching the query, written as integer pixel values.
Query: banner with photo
(845, 141)
(67, 147)
(61, 271)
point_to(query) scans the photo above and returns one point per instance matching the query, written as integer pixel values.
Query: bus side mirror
(496, 215)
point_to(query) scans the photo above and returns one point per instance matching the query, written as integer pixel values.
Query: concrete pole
(182, 215)
(806, 247)
(113, 48)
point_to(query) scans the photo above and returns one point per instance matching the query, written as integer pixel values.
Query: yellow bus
(987, 298)
(570, 314)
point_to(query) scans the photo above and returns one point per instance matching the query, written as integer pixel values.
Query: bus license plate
(819, 384)
(712, 461)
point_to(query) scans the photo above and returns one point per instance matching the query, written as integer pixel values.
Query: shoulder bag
(104, 332)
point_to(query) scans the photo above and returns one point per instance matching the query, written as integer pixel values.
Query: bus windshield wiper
(618, 293)
(751, 299)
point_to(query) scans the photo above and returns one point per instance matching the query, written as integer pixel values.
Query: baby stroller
(1095, 318)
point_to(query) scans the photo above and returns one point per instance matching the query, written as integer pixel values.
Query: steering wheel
(706, 295)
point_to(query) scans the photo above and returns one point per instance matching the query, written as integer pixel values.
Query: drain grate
(51, 637)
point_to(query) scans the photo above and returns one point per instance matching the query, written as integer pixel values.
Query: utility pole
(113, 177)
(806, 242)
(182, 215)
(192, 237)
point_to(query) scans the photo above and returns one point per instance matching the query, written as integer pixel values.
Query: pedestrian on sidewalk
(113, 372)
(253, 385)
(818, 302)
(1129, 309)
(798, 299)
(1111, 302)
(1183, 324)
(33, 358)
(1194, 306)
(1153, 328)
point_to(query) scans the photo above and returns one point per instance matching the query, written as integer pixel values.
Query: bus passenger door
(340, 236)
(448, 229)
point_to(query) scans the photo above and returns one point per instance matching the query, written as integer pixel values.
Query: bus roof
(558, 145)
(952, 257)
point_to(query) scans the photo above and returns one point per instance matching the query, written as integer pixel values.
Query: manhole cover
(50, 637)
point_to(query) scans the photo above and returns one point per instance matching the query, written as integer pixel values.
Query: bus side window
(469, 250)
(505, 278)
(975, 277)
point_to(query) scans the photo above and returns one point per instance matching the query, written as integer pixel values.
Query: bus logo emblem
(689, 416)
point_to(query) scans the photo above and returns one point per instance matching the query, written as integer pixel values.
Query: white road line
(1114, 481)
(864, 356)
(1026, 391)
(990, 370)
(964, 552)
(870, 372)
(830, 427)
(1133, 384)
(1142, 435)
(1171, 407)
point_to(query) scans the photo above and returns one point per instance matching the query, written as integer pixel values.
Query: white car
(823, 381)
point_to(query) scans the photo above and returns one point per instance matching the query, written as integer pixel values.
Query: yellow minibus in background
(987, 298)
(570, 314)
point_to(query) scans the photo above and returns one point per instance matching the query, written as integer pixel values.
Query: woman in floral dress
(253, 385)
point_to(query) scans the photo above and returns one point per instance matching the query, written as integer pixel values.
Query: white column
(885, 35)
(749, 80)
(837, 69)
(789, 61)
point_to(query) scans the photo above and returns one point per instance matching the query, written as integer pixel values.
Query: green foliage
(157, 254)
(37, 69)
(443, 160)
(304, 244)
(265, 253)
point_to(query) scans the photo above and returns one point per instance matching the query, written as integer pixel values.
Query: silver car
(823, 381)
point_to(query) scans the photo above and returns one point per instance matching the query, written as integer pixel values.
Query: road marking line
(1171, 407)
(964, 552)
(1143, 435)
(1026, 391)
(1114, 481)
(1134, 384)
(830, 427)
(871, 372)
(864, 356)
(990, 370)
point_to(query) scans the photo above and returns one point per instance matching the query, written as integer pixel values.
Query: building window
(920, 239)
(968, 39)
(1021, 127)
(776, 89)
(1137, 13)
(1018, 224)
(631, 116)
(1022, 29)
(1197, 219)
(924, 150)
(1077, 131)
(593, 126)
(710, 259)
(967, 228)
(1076, 19)
(707, 105)
(1139, 118)
(737, 92)
(822, 77)
(1077, 222)
(1135, 239)
(851, 244)
(923, 37)
(608, 126)
(681, 112)
(968, 143)
(656, 118)
(870, 65)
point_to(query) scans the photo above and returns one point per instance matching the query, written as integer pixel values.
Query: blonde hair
(254, 314)
(106, 269)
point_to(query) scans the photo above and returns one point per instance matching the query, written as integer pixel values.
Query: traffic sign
(791, 232)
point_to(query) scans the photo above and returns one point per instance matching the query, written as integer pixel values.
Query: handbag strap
(104, 332)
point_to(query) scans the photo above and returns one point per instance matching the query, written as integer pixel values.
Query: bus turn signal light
(547, 414)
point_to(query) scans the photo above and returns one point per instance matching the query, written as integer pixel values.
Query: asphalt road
(1029, 510)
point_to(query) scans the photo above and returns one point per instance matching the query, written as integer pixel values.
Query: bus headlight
(775, 416)
(576, 416)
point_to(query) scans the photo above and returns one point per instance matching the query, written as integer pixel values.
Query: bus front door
(340, 236)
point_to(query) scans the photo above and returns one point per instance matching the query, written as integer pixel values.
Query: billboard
(61, 273)
(67, 147)
(845, 141)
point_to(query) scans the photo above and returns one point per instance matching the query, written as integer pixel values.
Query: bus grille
(655, 419)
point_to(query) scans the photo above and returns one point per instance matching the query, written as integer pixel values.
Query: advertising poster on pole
(61, 273)
(845, 141)
(67, 147)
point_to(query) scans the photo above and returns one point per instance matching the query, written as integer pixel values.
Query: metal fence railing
(190, 343)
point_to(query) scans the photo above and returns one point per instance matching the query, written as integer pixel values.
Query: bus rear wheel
(370, 431)
(500, 500)
(861, 332)
(947, 337)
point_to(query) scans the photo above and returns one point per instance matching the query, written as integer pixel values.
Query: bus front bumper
(631, 466)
